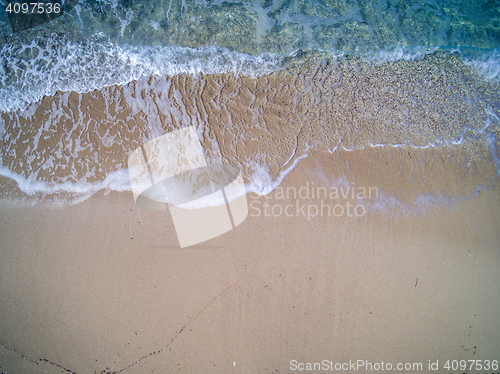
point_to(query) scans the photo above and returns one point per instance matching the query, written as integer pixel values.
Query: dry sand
(102, 286)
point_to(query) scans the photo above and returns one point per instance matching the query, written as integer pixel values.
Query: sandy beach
(192, 186)
(104, 287)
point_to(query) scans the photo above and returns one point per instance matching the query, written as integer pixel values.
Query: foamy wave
(487, 64)
(95, 147)
(30, 72)
(115, 181)
(399, 53)
(44, 67)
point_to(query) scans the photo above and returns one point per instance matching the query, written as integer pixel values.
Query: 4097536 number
(471, 365)
(33, 8)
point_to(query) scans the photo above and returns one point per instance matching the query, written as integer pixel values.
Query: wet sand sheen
(258, 124)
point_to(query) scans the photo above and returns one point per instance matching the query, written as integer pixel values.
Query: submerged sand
(258, 124)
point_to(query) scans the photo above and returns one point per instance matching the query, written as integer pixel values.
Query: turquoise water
(280, 26)
(105, 42)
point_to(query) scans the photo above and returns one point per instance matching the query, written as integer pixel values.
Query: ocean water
(266, 83)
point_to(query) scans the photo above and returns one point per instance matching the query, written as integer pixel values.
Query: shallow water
(265, 83)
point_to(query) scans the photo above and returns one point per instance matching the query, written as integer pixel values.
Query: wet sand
(103, 286)
(261, 124)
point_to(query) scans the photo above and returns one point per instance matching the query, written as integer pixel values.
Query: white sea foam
(424, 205)
(30, 72)
(399, 53)
(486, 62)
(73, 192)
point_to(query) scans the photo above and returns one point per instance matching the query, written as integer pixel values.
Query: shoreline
(262, 126)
